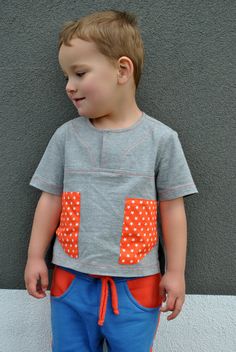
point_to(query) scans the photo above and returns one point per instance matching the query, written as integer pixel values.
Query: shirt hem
(45, 186)
(125, 272)
(172, 194)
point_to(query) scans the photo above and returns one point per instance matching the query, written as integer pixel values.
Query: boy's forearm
(46, 217)
(174, 231)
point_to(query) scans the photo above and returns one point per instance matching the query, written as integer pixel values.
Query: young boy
(112, 179)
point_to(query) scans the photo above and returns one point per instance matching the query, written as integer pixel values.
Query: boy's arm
(46, 217)
(45, 221)
(174, 231)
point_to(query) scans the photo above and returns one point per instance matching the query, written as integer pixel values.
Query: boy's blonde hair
(115, 34)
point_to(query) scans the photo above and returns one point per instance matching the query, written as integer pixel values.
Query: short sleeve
(49, 173)
(173, 176)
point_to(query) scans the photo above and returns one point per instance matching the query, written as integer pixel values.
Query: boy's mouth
(78, 101)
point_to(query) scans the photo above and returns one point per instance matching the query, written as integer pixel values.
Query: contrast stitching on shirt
(92, 156)
(71, 170)
(123, 155)
(104, 160)
(137, 143)
(159, 155)
(137, 123)
(172, 188)
(50, 184)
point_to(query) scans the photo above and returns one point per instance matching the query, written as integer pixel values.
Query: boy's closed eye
(80, 74)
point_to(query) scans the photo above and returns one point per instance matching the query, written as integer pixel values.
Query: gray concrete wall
(188, 83)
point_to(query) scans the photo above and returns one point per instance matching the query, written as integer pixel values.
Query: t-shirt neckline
(89, 123)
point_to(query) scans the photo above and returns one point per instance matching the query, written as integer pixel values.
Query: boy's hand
(36, 277)
(172, 284)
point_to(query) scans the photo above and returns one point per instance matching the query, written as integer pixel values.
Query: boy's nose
(70, 88)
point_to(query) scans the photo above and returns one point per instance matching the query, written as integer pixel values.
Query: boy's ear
(125, 69)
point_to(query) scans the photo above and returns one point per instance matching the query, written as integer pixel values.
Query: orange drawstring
(104, 296)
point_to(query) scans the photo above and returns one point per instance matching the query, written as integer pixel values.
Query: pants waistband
(104, 290)
(92, 276)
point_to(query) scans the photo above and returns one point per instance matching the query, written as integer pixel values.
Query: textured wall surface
(188, 83)
(206, 324)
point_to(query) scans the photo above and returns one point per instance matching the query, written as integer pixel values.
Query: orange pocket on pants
(139, 229)
(145, 291)
(61, 281)
(68, 230)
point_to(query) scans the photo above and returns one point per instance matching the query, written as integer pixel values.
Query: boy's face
(91, 77)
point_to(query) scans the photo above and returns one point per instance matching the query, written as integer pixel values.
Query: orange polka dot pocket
(139, 230)
(68, 230)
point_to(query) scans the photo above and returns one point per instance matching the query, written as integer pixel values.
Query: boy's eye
(80, 74)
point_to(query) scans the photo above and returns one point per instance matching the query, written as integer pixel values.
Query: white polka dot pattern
(68, 230)
(139, 230)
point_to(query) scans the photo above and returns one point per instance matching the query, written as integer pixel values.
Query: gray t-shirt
(111, 182)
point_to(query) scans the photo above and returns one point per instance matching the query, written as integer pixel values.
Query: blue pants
(85, 310)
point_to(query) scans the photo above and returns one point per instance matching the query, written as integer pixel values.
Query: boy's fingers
(177, 310)
(174, 314)
(170, 304)
(34, 286)
(44, 281)
(32, 290)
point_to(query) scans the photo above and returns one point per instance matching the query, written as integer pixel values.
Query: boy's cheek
(90, 89)
(94, 93)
